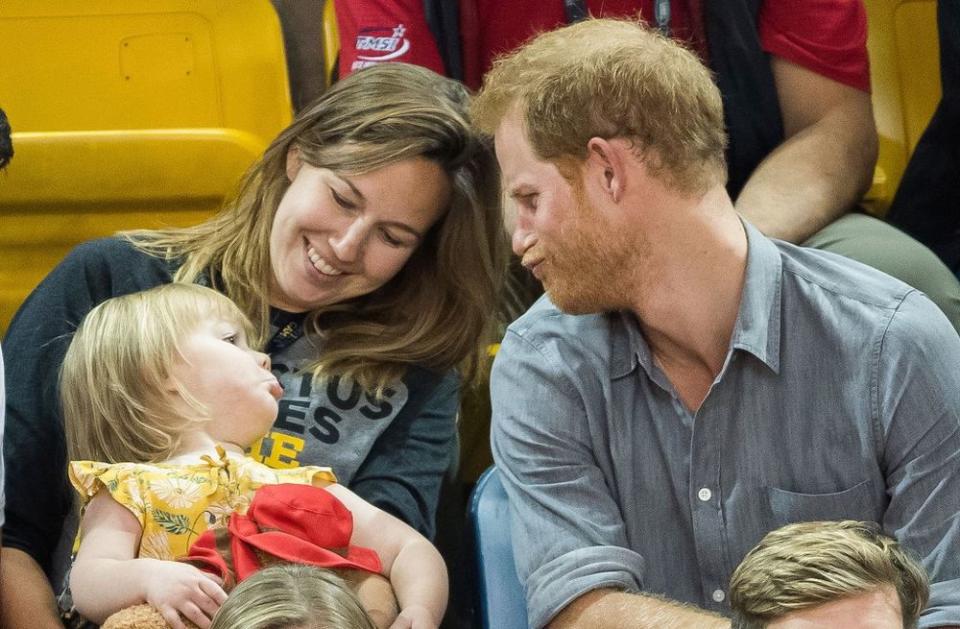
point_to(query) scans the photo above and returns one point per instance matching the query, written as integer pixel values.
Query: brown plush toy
(141, 616)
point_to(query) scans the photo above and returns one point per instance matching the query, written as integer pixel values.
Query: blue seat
(501, 604)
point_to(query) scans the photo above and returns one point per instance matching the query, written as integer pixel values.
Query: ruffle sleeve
(121, 480)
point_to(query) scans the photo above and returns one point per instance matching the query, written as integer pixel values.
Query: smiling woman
(366, 248)
(330, 246)
(387, 154)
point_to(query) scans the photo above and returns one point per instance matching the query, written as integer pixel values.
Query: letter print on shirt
(333, 422)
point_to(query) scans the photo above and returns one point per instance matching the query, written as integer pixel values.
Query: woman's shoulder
(108, 267)
(113, 252)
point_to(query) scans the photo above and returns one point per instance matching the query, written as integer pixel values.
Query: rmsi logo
(380, 43)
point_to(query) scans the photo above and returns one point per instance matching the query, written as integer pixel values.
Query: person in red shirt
(802, 187)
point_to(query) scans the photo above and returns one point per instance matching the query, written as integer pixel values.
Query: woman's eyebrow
(353, 187)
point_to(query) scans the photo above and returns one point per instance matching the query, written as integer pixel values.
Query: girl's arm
(413, 565)
(37, 340)
(107, 576)
(375, 594)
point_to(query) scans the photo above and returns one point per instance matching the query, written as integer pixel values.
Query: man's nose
(521, 240)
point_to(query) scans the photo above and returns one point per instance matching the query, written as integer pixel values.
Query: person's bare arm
(612, 609)
(375, 594)
(26, 599)
(415, 568)
(107, 576)
(825, 163)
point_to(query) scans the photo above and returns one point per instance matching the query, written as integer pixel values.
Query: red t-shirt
(826, 36)
(503, 26)
(373, 31)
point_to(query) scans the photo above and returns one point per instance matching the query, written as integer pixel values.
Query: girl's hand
(176, 589)
(415, 617)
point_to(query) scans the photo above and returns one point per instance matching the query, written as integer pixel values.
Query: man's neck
(690, 297)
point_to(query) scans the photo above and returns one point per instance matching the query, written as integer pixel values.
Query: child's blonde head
(289, 596)
(118, 393)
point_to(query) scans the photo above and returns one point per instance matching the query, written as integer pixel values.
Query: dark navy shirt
(392, 452)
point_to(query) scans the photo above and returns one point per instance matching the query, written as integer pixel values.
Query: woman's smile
(336, 237)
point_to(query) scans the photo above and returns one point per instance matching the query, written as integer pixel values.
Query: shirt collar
(757, 329)
(627, 354)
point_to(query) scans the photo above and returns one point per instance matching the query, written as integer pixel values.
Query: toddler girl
(161, 396)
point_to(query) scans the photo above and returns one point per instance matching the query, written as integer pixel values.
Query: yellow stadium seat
(905, 71)
(140, 113)
(331, 41)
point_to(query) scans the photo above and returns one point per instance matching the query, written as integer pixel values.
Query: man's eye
(390, 239)
(529, 200)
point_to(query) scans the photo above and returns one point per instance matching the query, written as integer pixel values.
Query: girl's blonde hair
(437, 311)
(292, 595)
(116, 376)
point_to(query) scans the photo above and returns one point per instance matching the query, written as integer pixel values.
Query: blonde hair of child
(116, 377)
(289, 596)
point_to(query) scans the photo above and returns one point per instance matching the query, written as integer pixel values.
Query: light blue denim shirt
(839, 398)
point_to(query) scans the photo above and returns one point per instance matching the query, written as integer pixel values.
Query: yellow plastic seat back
(905, 77)
(331, 41)
(140, 113)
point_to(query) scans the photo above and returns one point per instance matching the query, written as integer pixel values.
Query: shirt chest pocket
(855, 503)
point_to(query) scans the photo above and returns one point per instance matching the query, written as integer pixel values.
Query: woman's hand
(176, 589)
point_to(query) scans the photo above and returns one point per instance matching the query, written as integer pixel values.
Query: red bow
(295, 523)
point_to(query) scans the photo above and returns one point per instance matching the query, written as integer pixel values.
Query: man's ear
(605, 160)
(293, 162)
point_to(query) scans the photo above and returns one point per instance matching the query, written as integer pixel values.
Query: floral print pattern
(176, 503)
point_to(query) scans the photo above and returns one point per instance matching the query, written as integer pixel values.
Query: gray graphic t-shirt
(332, 423)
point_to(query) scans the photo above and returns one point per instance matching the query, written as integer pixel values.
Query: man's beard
(587, 271)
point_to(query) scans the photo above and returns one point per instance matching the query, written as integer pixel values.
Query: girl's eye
(341, 201)
(232, 339)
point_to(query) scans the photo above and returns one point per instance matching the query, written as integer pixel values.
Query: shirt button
(718, 596)
(704, 494)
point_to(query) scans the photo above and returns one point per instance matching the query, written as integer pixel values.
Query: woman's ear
(293, 162)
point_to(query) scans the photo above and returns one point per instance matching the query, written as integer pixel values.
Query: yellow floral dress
(176, 503)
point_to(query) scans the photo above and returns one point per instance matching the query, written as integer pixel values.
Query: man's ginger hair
(808, 564)
(612, 79)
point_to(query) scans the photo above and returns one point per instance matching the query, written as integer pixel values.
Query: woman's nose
(348, 244)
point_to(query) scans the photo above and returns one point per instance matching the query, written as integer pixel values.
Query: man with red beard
(688, 385)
